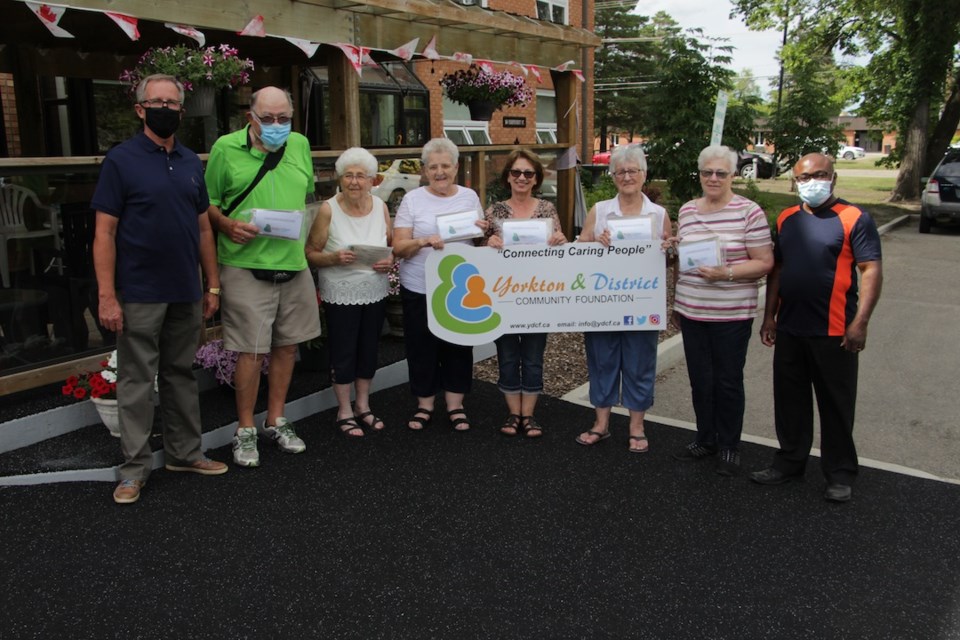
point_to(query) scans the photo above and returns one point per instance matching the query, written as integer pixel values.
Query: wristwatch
(214, 290)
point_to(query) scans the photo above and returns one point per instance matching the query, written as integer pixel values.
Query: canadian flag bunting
(406, 51)
(354, 54)
(127, 23)
(485, 65)
(306, 46)
(563, 67)
(254, 28)
(535, 70)
(460, 56)
(190, 32)
(430, 51)
(579, 74)
(50, 17)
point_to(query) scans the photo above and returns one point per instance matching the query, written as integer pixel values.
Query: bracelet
(214, 290)
(730, 274)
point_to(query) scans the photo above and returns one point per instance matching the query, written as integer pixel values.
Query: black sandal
(457, 422)
(529, 425)
(512, 422)
(362, 417)
(349, 424)
(422, 417)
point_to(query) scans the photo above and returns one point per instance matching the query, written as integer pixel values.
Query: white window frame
(551, 4)
(546, 131)
(467, 127)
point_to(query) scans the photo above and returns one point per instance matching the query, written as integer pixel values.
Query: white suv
(394, 179)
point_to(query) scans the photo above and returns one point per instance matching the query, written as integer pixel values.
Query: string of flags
(359, 56)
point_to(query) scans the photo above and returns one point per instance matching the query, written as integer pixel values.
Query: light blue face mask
(273, 136)
(815, 192)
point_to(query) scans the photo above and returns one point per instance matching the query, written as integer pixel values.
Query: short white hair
(356, 157)
(718, 152)
(440, 145)
(157, 77)
(631, 153)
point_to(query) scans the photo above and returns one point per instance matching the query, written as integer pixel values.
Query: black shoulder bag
(269, 163)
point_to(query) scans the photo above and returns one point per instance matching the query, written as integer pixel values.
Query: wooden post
(344, 102)
(565, 86)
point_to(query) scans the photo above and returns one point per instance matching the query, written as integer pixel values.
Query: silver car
(940, 203)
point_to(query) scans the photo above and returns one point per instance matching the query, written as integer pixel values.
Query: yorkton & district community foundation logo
(461, 302)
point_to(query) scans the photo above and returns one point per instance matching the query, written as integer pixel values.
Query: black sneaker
(695, 451)
(729, 463)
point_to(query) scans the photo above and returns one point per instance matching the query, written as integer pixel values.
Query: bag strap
(270, 162)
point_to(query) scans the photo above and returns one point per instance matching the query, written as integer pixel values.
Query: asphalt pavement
(909, 391)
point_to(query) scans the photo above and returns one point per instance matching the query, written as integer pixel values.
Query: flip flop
(601, 436)
(640, 439)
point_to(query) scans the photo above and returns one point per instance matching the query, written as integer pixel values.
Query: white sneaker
(245, 451)
(286, 438)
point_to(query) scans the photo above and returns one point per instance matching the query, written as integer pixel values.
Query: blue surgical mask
(815, 192)
(273, 136)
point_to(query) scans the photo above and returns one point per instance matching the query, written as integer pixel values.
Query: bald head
(271, 99)
(813, 162)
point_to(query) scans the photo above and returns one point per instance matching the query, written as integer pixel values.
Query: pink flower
(208, 59)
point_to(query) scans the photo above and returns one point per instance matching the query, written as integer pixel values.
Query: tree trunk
(945, 130)
(914, 154)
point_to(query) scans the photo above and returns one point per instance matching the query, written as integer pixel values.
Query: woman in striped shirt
(715, 306)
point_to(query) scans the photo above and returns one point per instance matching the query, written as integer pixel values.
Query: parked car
(764, 165)
(394, 179)
(940, 202)
(602, 157)
(851, 153)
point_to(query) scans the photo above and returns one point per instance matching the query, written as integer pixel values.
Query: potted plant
(485, 91)
(101, 388)
(201, 70)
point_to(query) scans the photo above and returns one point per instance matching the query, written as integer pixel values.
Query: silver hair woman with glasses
(715, 306)
(353, 291)
(622, 364)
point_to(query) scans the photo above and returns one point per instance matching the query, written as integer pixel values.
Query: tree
(911, 43)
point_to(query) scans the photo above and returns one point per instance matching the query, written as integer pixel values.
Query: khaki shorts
(257, 315)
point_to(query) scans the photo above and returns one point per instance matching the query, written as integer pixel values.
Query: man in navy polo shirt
(152, 232)
(818, 323)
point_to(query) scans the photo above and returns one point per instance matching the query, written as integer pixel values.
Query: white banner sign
(476, 294)
(719, 115)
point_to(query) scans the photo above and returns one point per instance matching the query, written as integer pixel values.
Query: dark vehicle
(940, 203)
(764, 165)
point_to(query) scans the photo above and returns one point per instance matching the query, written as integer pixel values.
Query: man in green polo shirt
(268, 300)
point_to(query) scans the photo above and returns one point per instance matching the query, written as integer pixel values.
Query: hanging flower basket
(474, 87)
(200, 102)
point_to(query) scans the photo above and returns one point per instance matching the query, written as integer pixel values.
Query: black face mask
(162, 121)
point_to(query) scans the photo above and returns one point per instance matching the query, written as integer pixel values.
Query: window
(552, 10)
(458, 126)
(546, 117)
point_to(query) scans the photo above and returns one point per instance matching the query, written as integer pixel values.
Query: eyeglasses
(157, 103)
(350, 177)
(268, 119)
(626, 173)
(526, 173)
(817, 175)
(709, 173)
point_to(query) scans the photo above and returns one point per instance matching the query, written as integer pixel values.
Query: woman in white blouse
(353, 291)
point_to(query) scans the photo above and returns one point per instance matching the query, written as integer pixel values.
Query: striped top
(741, 225)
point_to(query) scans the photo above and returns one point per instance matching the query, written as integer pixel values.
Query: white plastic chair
(12, 226)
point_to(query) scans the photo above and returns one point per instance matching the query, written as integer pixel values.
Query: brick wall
(10, 125)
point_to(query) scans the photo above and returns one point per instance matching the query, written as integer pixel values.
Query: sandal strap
(455, 422)
(422, 417)
(350, 423)
(531, 424)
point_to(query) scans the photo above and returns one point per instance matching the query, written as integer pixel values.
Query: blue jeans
(716, 353)
(520, 356)
(631, 355)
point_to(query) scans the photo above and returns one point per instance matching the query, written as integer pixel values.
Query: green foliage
(219, 67)
(604, 189)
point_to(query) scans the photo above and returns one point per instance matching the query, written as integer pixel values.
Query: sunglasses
(709, 173)
(526, 173)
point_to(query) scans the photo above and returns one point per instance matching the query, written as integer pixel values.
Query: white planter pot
(109, 414)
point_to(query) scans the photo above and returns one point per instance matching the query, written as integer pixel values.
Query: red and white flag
(190, 32)
(50, 17)
(306, 46)
(460, 56)
(535, 70)
(485, 65)
(563, 67)
(127, 23)
(406, 51)
(354, 54)
(430, 51)
(254, 28)
(579, 74)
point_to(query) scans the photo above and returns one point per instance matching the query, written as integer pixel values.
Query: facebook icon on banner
(627, 320)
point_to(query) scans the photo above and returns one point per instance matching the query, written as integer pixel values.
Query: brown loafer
(203, 466)
(127, 492)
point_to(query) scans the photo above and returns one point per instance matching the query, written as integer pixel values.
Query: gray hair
(356, 156)
(440, 145)
(157, 77)
(256, 95)
(631, 153)
(718, 152)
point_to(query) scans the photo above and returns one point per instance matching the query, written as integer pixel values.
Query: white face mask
(815, 192)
